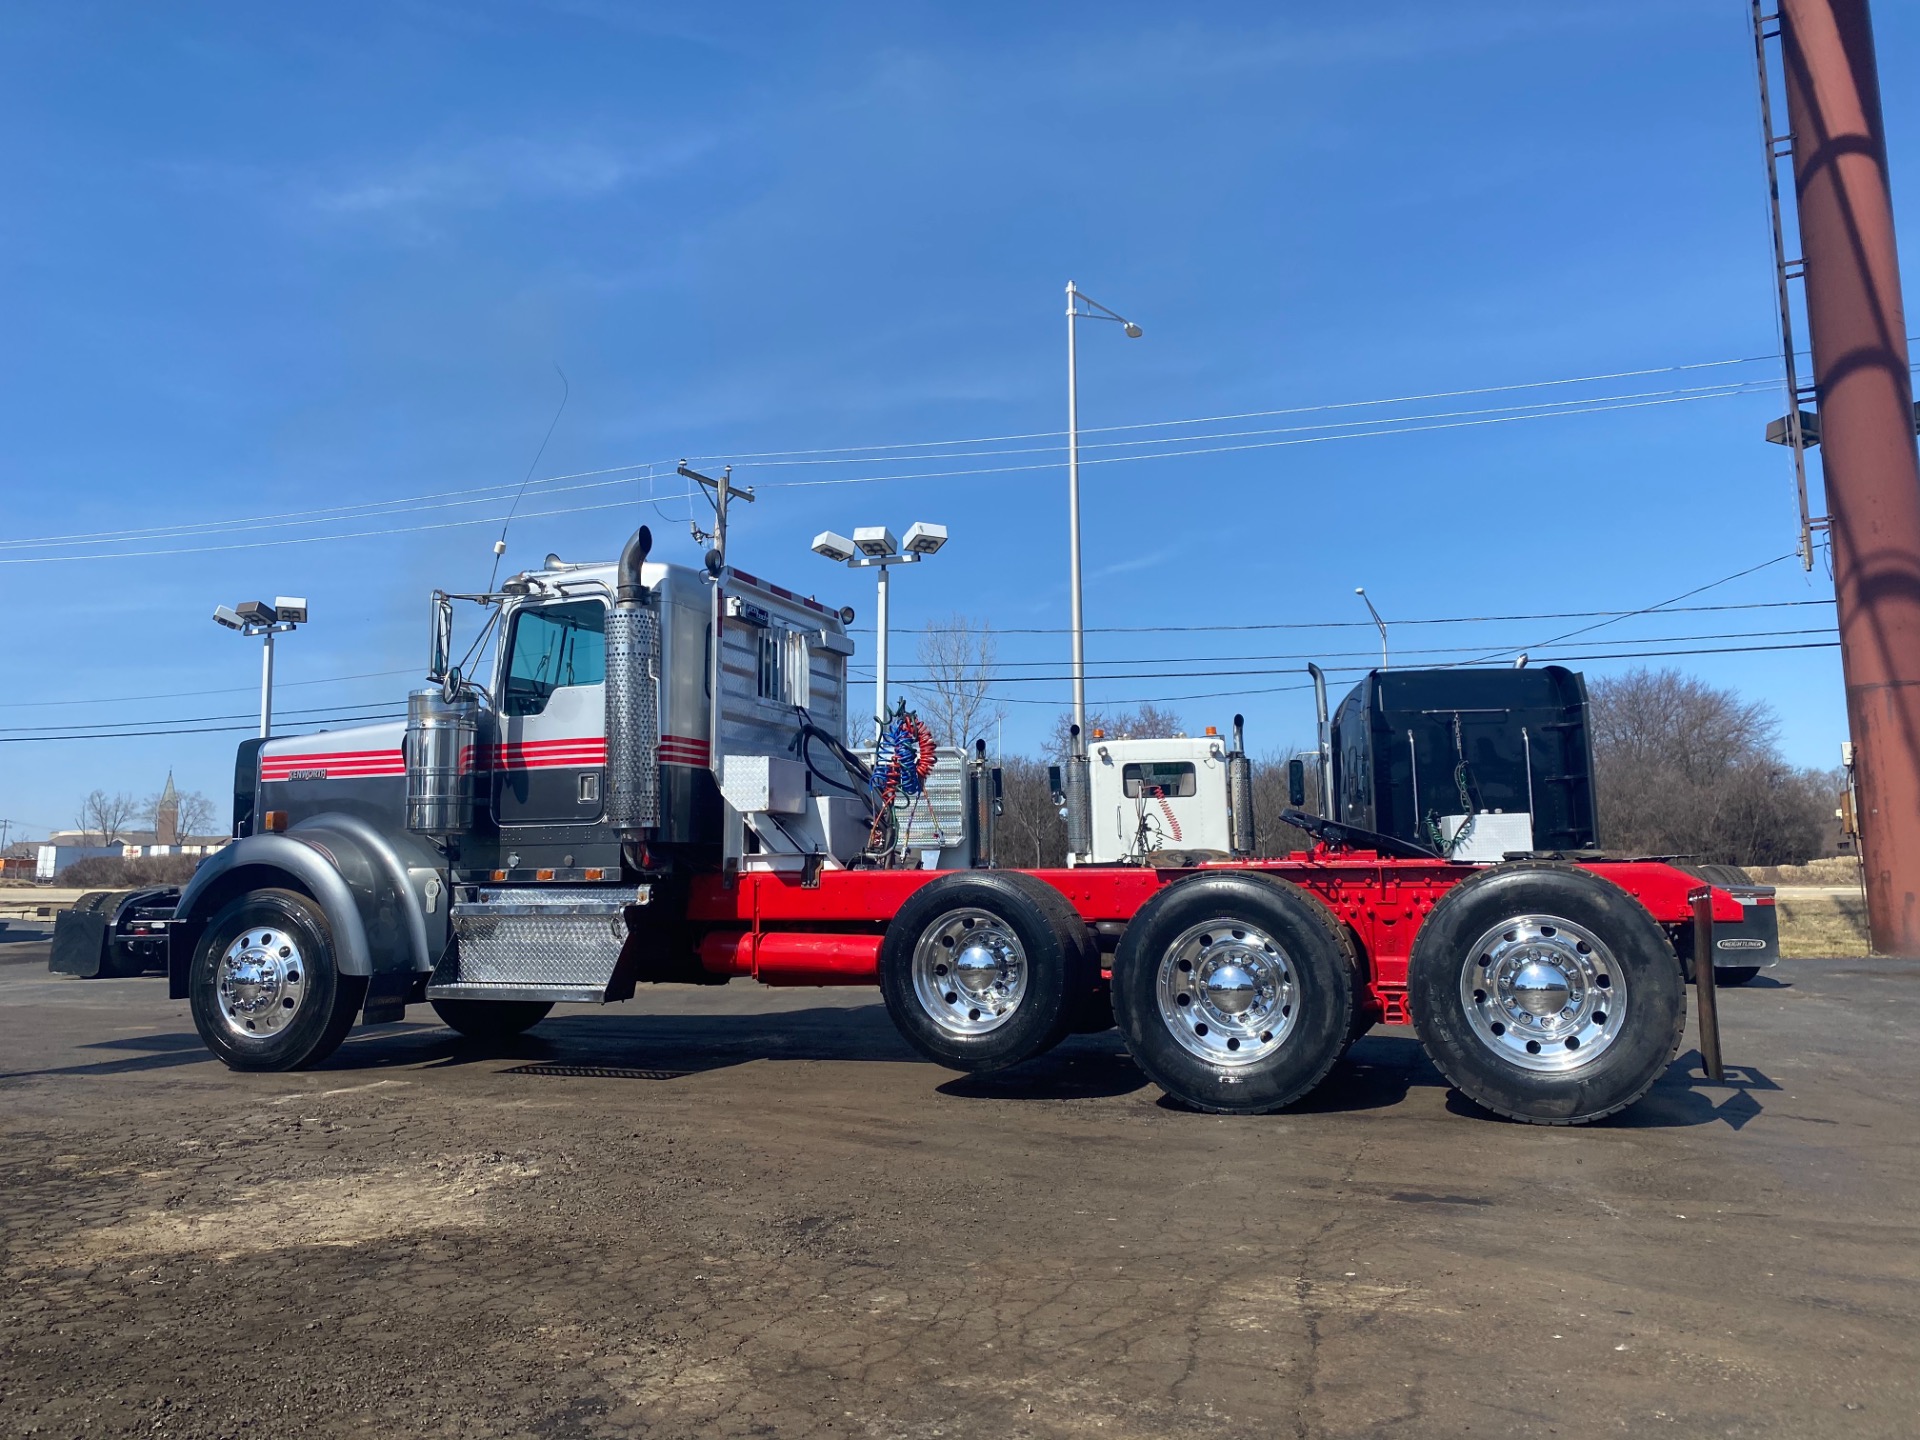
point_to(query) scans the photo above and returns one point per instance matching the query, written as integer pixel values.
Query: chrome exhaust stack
(1240, 791)
(1079, 792)
(1323, 734)
(633, 698)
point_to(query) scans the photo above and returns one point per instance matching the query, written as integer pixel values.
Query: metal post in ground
(1857, 329)
(1706, 992)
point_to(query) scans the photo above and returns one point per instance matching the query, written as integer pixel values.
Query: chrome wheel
(1544, 994)
(969, 972)
(1226, 992)
(261, 982)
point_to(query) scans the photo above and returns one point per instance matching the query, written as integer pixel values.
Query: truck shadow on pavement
(1378, 1073)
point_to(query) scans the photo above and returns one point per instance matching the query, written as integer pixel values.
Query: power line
(1060, 670)
(1020, 630)
(450, 499)
(964, 472)
(1368, 624)
(1062, 704)
(200, 730)
(323, 712)
(222, 690)
(1055, 704)
(1684, 595)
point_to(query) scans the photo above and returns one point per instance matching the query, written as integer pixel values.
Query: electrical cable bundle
(903, 757)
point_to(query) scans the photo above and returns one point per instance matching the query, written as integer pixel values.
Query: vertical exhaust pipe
(633, 698)
(1240, 791)
(1079, 799)
(1323, 737)
(981, 777)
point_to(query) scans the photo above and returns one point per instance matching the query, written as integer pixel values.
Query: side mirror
(1297, 782)
(1056, 785)
(440, 652)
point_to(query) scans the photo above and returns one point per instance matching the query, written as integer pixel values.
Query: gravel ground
(750, 1212)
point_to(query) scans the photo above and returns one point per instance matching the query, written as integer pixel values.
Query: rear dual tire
(1236, 992)
(984, 970)
(1546, 994)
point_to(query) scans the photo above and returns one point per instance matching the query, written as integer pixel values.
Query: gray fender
(367, 883)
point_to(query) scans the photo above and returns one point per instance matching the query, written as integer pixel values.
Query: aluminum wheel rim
(970, 972)
(261, 983)
(1544, 994)
(1226, 992)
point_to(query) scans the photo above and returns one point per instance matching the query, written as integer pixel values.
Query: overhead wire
(1062, 669)
(974, 471)
(1242, 692)
(552, 484)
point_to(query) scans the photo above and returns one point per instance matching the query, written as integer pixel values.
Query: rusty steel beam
(1858, 332)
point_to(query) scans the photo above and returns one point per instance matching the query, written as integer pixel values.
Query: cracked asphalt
(746, 1212)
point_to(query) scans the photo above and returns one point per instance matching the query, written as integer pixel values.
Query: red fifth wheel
(1235, 991)
(1546, 994)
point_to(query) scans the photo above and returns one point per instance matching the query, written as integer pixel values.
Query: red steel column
(1858, 330)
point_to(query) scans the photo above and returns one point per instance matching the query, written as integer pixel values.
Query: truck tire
(264, 987)
(1723, 875)
(985, 969)
(1546, 994)
(1235, 992)
(491, 1019)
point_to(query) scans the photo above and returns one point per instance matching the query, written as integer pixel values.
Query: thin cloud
(504, 172)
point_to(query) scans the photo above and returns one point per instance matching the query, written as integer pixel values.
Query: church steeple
(166, 815)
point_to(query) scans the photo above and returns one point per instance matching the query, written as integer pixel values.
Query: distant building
(163, 839)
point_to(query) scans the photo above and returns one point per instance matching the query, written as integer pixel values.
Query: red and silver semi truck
(650, 787)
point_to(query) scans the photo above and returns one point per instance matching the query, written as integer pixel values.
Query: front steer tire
(265, 986)
(1546, 994)
(1235, 992)
(981, 970)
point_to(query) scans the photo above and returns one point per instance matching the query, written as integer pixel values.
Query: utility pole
(1872, 474)
(722, 490)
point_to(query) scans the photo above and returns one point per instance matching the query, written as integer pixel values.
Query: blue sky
(266, 261)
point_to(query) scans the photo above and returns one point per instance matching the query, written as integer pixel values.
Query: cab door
(549, 767)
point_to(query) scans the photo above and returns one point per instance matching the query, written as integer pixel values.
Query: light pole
(1379, 624)
(874, 548)
(256, 617)
(1079, 307)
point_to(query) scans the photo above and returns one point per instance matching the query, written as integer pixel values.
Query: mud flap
(80, 938)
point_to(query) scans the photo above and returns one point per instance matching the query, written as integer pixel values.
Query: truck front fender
(262, 862)
(369, 891)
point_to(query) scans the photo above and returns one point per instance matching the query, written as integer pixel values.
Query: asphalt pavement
(742, 1211)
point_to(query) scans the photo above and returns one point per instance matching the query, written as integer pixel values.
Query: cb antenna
(500, 545)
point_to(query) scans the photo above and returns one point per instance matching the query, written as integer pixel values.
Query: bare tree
(958, 655)
(1684, 768)
(103, 818)
(1030, 832)
(1272, 836)
(1146, 722)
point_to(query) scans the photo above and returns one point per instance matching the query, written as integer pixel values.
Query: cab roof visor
(630, 588)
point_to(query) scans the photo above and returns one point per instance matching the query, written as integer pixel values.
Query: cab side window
(554, 646)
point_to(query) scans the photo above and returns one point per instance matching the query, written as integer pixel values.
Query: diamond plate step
(522, 943)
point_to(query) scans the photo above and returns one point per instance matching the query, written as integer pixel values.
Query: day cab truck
(650, 787)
